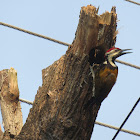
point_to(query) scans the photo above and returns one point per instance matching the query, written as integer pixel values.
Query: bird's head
(113, 53)
(116, 52)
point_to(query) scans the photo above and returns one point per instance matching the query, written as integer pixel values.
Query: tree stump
(59, 112)
(9, 97)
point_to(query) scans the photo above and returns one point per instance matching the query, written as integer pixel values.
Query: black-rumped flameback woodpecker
(105, 74)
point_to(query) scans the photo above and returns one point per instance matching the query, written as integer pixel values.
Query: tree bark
(10, 107)
(59, 111)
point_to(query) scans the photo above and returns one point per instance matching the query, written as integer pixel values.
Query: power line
(56, 41)
(128, 64)
(35, 34)
(116, 128)
(126, 119)
(66, 44)
(133, 2)
(26, 101)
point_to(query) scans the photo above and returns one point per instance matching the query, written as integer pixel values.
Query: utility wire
(66, 44)
(56, 41)
(26, 101)
(35, 34)
(133, 2)
(128, 64)
(126, 119)
(116, 128)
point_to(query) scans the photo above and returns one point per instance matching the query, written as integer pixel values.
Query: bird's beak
(125, 51)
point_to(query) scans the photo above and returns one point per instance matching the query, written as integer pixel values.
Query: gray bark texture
(59, 111)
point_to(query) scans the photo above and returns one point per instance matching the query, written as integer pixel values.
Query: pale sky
(59, 19)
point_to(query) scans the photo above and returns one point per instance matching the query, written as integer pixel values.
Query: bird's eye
(117, 50)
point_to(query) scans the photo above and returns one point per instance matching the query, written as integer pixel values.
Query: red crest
(113, 49)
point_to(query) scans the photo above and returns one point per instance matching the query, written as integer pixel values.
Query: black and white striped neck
(110, 61)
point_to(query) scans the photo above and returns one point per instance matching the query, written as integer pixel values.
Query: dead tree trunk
(59, 112)
(10, 107)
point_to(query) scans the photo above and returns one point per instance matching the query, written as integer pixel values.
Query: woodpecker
(105, 74)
